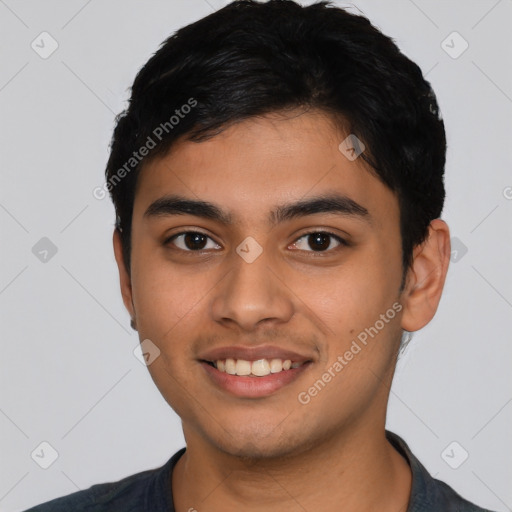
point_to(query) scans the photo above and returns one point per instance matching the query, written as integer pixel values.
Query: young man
(278, 182)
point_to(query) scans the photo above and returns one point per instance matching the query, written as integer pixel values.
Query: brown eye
(192, 241)
(319, 241)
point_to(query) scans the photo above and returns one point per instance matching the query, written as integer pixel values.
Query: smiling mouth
(258, 368)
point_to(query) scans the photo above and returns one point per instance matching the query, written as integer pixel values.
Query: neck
(356, 470)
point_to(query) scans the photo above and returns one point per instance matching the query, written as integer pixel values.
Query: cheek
(175, 382)
(353, 295)
(357, 302)
(164, 295)
(157, 304)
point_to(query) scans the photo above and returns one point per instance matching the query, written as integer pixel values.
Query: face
(262, 245)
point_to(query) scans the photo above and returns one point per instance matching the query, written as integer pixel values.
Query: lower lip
(253, 387)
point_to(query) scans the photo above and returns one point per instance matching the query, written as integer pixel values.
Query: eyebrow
(178, 205)
(330, 203)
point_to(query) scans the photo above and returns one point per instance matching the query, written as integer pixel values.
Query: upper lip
(253, 354)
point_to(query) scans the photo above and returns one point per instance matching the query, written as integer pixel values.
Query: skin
(275, 453)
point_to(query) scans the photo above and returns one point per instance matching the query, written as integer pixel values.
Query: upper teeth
(258, 368)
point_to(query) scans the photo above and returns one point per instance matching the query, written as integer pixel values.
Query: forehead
(260, 162)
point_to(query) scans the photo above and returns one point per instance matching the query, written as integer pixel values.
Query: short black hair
(251, 59)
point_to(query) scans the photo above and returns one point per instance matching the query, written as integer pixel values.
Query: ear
(426, 276)
(124, 276)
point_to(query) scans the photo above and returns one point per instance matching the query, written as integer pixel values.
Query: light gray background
(69, 376)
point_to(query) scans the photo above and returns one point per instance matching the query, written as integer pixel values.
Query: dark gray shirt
(150, 491)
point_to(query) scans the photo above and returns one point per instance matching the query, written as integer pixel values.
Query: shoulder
(147, 490)
(429, 494)
(101, 497)
(443, 495)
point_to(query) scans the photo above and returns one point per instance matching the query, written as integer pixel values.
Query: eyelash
(341, 241)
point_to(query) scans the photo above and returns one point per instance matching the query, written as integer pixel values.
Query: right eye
(191, 241)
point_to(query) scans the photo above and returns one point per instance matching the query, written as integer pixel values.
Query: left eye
(192, 241)
(318, 241)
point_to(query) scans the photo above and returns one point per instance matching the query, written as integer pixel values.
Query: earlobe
(426, 277)
(124, 276)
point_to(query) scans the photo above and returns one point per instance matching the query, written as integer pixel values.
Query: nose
(251, 294)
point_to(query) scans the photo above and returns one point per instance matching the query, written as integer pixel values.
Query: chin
(258, 450)
(262, 443)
